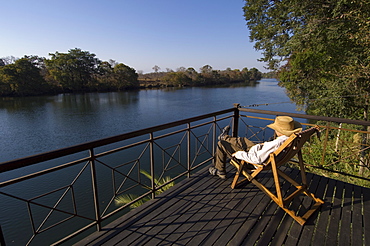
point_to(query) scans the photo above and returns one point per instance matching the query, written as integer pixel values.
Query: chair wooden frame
(291, 147)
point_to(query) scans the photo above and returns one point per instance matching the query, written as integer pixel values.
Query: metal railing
(55, 196)
(66, 194)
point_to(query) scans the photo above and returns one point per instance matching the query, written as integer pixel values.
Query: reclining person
(244, 149)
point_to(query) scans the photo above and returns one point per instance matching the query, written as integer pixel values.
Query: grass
(128, 198)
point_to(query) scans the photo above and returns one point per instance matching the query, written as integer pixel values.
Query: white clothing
(260, 152)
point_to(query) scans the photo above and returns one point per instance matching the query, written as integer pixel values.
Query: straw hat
(286, 125)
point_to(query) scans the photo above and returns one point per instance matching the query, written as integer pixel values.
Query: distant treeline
(81, 71)
(190, 77)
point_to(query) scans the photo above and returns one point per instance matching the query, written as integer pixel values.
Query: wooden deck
(204, 210)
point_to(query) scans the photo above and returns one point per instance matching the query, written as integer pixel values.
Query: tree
(9, 60)
(22, 78)
(325, 49)
(105, 76)
(156, 68)
(177, 78)
(192, 74)
(118, 77)
(254, 74)
(74, 70)
(206, 69)
(125, 76)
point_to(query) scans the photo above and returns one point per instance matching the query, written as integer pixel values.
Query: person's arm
(260, 152)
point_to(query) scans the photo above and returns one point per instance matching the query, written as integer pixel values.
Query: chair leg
(239, 171)
(301, 189)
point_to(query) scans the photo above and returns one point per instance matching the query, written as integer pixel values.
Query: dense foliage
(81, 71)
(209, 76)
(75, 71)
(321, 50)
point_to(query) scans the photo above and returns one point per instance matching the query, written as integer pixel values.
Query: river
(32, 125)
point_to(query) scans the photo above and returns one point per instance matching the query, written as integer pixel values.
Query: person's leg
(226, 147)
(245, 143)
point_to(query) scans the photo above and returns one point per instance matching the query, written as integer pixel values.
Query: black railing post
(151, 143)
(95, 189)
(215, 140)
(325, 143)
(2, 239)
(188, 150)
(236, 120)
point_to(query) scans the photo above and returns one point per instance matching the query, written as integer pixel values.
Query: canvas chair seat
(291, 147)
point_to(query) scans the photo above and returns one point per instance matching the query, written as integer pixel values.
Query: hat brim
(297, 128)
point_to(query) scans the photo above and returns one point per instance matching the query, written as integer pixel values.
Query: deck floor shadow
(204, 210)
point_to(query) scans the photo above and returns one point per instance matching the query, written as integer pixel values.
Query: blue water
(34, 125)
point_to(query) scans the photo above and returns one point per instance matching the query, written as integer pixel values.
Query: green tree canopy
(22, 78)
(125, 76)
(73, 70)
(324, 47)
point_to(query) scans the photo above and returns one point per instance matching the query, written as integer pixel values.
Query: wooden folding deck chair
(291, 147)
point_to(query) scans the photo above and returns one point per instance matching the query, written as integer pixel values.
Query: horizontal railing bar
(325, 126)
(54, 225)
(104, 217)
(49, 170)
(72, 235)
(44, 206)
(309, 117)
(156, 138)
(191, 127)
(26, 161)
(121, 148)
(200, 164)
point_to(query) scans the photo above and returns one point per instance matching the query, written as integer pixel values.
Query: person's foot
(221, 174)
(224, 133)
(213, 171)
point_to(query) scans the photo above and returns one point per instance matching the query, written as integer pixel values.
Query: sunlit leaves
(325, 46)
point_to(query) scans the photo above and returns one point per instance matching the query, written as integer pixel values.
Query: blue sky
(138, 33)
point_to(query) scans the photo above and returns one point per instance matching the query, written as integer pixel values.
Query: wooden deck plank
(187, 219)
(282, 219)
(345, 220)
(322, 224)
(222, 219)
(310, 226)
(202, 216)
(271, 210)
(228, 221)
(176, 212)
(357, 227)
(135, 215)
(366, 216)
(164, 225)
(244, 194)
(209, 226)
(209, 213)
(204, 210)
(295, 229)
(333, 229)
(230, 199)
(251, 197)
(151, 225)
(250, 215)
